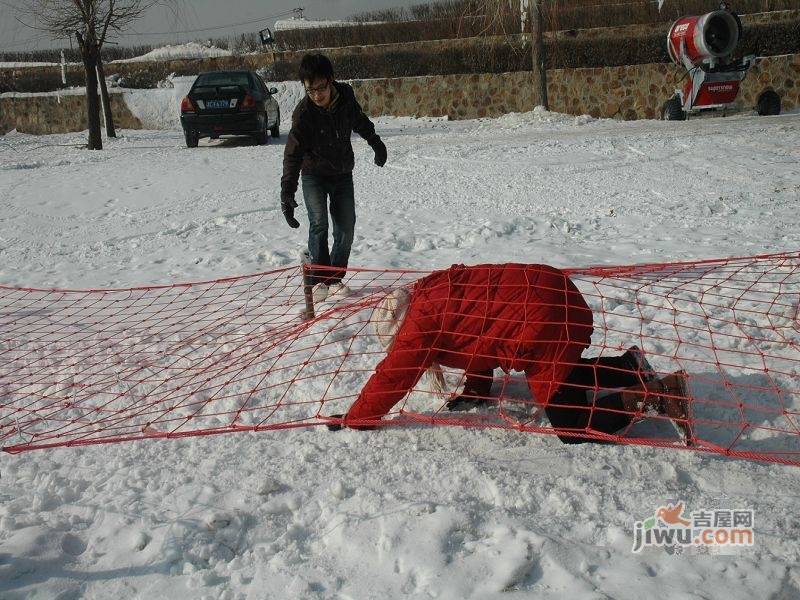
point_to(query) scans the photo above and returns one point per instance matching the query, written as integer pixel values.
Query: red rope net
(100, 366)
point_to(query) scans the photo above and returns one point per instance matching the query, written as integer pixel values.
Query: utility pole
(539, 72)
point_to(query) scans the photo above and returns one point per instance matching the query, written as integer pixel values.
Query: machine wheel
(673, 110)
(276, 131)
(191, 138)
(769, 104)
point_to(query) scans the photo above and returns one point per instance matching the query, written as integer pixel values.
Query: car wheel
(191, 137)
(769, 104)
(276, 130)
(262, 137)
(673, 110)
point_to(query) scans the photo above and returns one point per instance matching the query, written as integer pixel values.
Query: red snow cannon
(712, 36)
(704, 45)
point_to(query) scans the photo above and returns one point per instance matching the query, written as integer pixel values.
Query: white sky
(194, 14)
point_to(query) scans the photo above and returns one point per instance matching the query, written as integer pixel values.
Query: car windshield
(222, 79)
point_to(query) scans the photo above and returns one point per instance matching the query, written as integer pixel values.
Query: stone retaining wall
(639, 91)
(631, 92)
(51, 113)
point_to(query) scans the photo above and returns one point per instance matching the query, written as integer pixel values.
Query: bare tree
(537, 51)
(90, 22)
(496, 13)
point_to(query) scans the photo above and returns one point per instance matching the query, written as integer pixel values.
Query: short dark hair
(315, 66)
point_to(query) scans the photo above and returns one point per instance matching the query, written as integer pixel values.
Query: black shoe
(638, 362)
(675, 403)
(335, 426)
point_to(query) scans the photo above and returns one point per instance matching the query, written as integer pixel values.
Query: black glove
(335, 426)
(380, 150)
(339, 426)
(287, 208)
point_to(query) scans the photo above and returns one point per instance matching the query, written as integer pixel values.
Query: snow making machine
(704, 46)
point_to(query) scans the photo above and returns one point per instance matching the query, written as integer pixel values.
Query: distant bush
(468, 18)
(38, 80)
(363, 34)
(771, 39)
(512, 53)
(72, 55)
(586, 14)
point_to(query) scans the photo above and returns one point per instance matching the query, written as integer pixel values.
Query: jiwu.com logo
(707, 529)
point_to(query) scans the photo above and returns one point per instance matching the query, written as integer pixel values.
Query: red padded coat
(517, 317)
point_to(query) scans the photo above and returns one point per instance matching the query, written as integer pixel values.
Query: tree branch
(95, 18)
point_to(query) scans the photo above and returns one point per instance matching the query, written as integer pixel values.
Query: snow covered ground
(433, 513)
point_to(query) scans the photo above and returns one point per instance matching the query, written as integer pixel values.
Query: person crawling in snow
(529, 318)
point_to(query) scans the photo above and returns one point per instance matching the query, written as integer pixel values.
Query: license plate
(217, 104)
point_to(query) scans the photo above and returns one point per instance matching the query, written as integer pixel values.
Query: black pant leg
(612, 372)
(568, 408)
(478, 383)
(576, 405)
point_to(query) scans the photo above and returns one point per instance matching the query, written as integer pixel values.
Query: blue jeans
(316, 191)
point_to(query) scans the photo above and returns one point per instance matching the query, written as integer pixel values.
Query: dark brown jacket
(319, 141)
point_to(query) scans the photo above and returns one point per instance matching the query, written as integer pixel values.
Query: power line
(29, 41)
(9, 5)
(251, 22)
(163, 33)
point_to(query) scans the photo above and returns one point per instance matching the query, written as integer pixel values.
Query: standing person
(319, 146)
(529, 318)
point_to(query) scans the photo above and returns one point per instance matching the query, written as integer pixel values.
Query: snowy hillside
(160, 108)
(408, 512)
(303, 23)
(178, 52)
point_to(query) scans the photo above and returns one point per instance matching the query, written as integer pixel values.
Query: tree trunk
(537, 55)
(89, 54)
(92, 104)
(109, 118)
